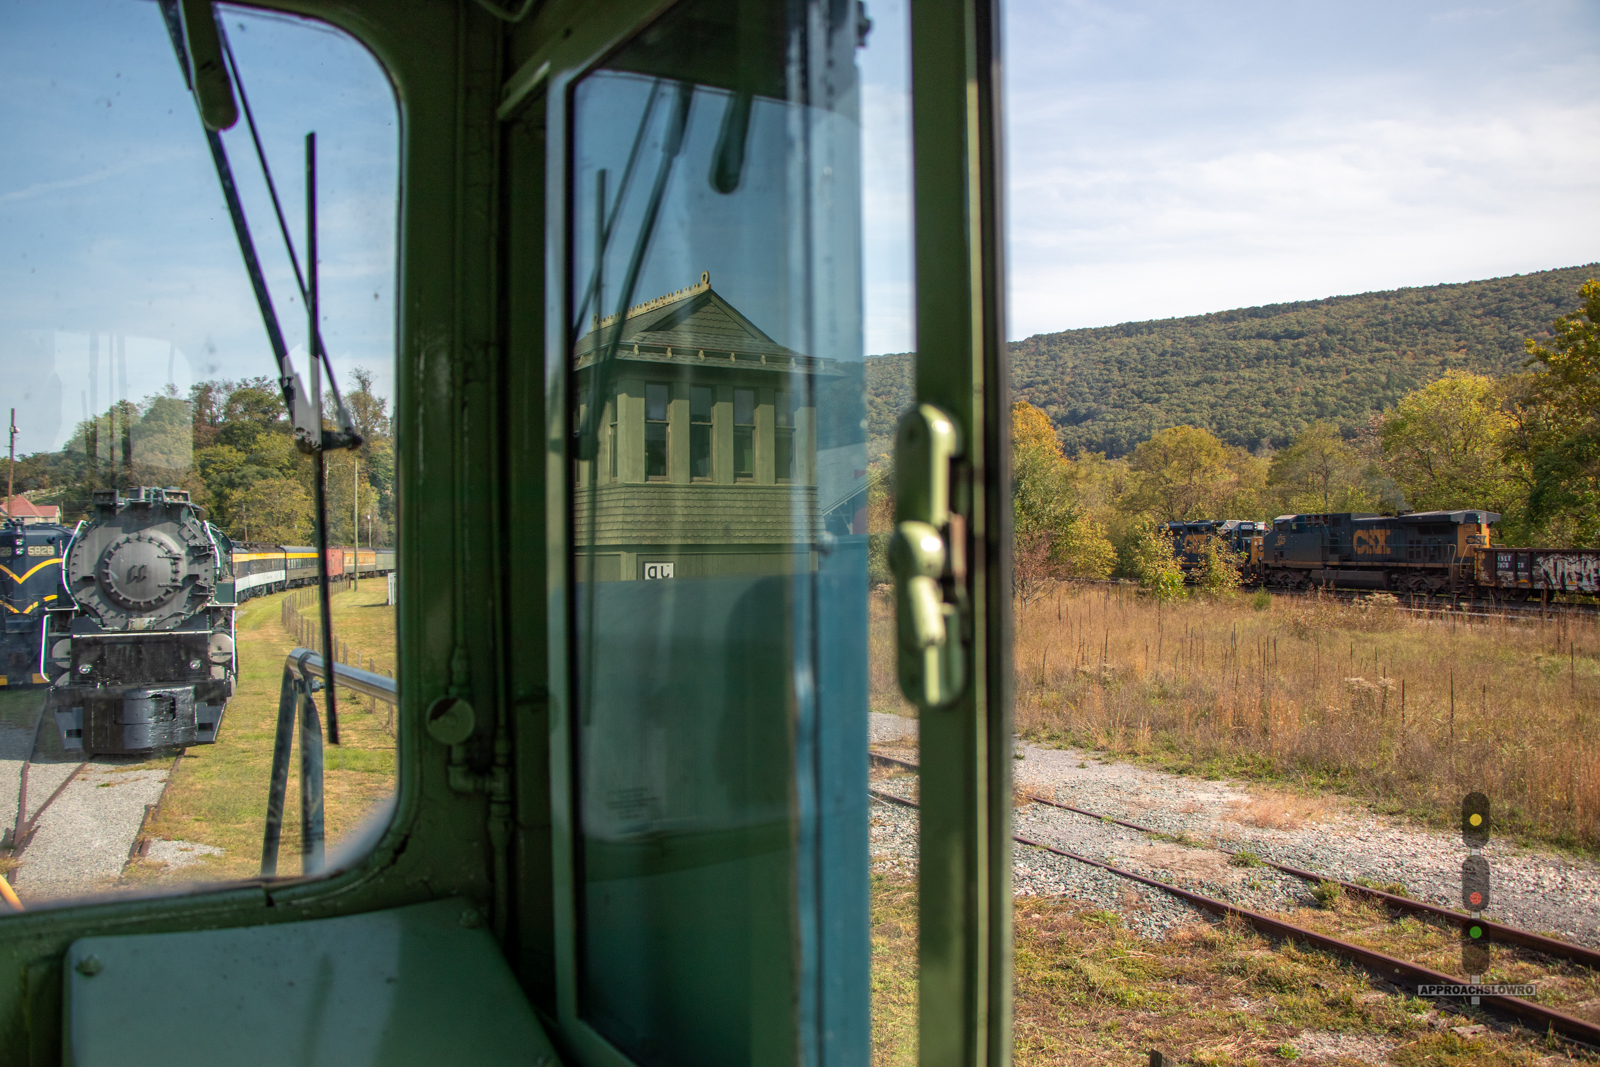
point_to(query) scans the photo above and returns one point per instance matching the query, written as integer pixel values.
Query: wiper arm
(309, 434)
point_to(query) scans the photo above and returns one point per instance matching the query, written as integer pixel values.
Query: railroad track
(1392, 969)
(56, 846)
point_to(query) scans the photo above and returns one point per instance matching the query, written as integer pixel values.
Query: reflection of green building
(706, 460)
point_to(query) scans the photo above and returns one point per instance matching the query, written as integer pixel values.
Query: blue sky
(1183, 157)
(1163, 159)
(1175, 158)
(114, 235)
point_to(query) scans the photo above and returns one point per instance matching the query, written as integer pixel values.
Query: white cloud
(1186, 159)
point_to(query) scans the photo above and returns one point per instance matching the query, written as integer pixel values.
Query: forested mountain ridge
(1260, 375)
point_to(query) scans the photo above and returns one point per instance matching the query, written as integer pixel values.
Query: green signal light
(1475, 932)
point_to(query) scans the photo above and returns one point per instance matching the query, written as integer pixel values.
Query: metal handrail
(368, 683)
(303, 674)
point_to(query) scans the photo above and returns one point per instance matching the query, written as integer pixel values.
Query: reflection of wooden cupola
(698, 393)
(707, 454)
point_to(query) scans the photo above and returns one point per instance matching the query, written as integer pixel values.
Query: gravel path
(1535, 889)
(84, 837)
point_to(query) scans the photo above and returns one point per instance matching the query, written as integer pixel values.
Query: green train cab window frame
(476, 540)
(965, 899)
(404, 40)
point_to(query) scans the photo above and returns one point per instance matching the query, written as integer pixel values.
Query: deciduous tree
(1320, 472)
(1180, 473)
(1444, 444)
(1054, 538)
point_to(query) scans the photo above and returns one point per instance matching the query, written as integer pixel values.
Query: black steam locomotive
(141, 653)
(30, 585)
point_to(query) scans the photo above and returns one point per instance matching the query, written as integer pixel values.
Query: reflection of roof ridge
(660, 301)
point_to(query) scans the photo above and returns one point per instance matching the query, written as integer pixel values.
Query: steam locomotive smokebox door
(144, 719)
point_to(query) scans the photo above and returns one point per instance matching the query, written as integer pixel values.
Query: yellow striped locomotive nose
(30, 588)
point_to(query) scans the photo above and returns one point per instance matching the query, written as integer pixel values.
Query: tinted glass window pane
(146, 403)
(655, 403)
(719, 716)
(655, 450)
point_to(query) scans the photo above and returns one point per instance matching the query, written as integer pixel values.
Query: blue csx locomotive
(1189, 539)
(1417, 553)
(30, 585)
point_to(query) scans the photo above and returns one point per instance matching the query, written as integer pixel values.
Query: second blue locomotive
(30, 585)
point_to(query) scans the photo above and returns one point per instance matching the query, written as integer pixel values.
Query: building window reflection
(655, 432)
(700, 422)
(744, 435)
(783, 437)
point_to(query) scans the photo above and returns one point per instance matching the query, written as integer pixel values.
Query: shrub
(1219, 568)
(1153, 563)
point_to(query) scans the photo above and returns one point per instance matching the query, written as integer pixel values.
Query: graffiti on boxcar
(1573, 572)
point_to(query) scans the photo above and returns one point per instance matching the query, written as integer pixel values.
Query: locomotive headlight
(84, 668)
(194, 665)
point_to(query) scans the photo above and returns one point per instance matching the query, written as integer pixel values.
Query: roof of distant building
(690, 325)
(20, 507)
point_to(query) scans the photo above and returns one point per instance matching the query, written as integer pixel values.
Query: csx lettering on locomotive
(1370, 542)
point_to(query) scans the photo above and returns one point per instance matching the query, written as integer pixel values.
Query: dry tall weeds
(1406, 709)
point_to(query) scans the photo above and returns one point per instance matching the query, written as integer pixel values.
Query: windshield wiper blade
(309, 434)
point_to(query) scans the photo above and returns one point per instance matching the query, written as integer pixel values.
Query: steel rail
(1396, 971)
(1498, 932)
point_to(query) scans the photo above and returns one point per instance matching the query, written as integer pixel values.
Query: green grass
(218, 795)
(894, 972)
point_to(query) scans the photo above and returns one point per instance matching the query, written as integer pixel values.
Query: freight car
(1518, 573)
(1189, 540)
(1420, 552)
(30, 585)
(142, 651)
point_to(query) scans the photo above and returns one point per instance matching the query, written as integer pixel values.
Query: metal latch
(928, 558)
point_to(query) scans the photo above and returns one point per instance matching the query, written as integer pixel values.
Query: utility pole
(11, 469)
(355, 517)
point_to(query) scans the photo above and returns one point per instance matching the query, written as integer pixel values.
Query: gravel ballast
(1536, 889)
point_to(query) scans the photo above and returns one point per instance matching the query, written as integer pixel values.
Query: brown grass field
(1404, 710)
